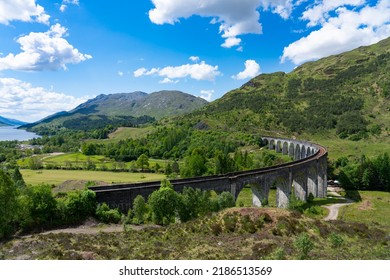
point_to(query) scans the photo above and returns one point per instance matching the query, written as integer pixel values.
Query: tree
(8, 204)
(18, 178)
(142, 162)
(163, 204)
(38, 207)
(195, 165)
(139, 209)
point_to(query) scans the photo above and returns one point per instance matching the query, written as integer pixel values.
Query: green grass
(353, 149)
(79, 160)
(56, 177)
(374, 209)
(123, 133)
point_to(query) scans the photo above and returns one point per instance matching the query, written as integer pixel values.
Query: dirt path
(334, 208)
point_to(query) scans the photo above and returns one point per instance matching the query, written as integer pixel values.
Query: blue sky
(56, 54)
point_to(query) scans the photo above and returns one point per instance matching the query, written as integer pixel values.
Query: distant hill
(10, 122)
(125, 109)
(347, 95)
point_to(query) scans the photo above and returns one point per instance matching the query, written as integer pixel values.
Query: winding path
(334, 208)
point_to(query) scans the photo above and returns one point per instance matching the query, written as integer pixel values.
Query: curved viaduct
(305, 175)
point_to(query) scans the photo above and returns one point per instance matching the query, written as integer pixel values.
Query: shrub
(107, 215)
(336, 240)
(8, 204)
(139, 210)
(304, 245)
(38, 207)
(163, 204)
(76, 206)
(226, 200)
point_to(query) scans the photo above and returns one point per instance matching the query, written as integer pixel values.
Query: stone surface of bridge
(303, 176)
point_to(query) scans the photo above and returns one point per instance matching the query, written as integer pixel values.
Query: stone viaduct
(305, 175)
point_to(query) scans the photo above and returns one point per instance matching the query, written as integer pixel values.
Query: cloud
(319, 13)
(346, 30)
(236, 17)
(281, 7)
(43, 51)
(65, 3)
(252, 69)
(194, 58)
(207, 94)
(21, 100)
(22, 10)
(120, 73)
(168, 81)
(196, 71)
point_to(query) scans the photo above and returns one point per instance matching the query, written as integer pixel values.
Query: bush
(140, 210)
(38, 207)
(76, 206)
(8, 204)
(304, 245)
(107, 215)
(163, 204)
(226, 200)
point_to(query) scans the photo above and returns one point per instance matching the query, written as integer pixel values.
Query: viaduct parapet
(307, 174)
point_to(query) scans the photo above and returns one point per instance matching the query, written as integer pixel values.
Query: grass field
(79, 160)
(353, 149)
(374, 209)
(56, 177)
(123, 133)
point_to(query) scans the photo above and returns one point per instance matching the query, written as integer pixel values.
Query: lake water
(9, 133)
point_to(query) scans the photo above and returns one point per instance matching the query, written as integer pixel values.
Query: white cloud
(236, 17)
(346, 30)
(252, 69)
(281, 7)
(43, 51)
(168, 81)
(22, 10)
(319, 13)
(120, 73)
(207, 94)
(21, 100)
(65, 3)
(196, 71)
(194, 58)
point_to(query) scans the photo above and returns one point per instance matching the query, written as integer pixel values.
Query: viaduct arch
(305, 175)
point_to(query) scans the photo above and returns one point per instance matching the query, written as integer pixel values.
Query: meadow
(57, 177)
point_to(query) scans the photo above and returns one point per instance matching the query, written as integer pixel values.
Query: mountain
(347, 95)
(125, 109)
(10, 122)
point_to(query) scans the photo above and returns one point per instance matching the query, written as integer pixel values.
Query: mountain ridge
(10, 122)
(347, 95)
(125, 109)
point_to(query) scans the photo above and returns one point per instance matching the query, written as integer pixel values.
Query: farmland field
(56, 177)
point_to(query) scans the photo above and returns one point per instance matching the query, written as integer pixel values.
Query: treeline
(365, 174)
(31, 208)
(25, 209)
(166, 206)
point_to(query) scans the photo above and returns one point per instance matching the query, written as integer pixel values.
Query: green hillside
(346, 95)
(121, 109)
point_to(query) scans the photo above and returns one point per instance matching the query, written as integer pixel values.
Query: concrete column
(278, 147)
(312, 179)
(283, 191)
(300, 186)
(297, 153)
(235, 188)
(291, 149)
(322, 178)
(260, 191)
(285, 148)
(303, 152)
